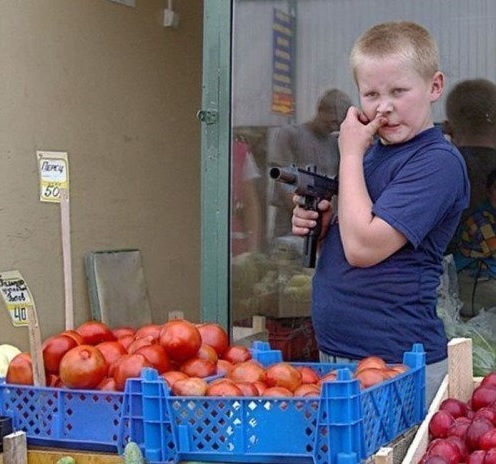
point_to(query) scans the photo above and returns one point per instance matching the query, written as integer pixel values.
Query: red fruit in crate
(20, 370)
(171, 376)
(489, 380)
(277, 392)
(488, 440)
(329, 377)
(446, 449)
(433, 460)
(157, 357)
(308, 375)
(475, 430)
(462, 446)
(440, 423)
(53, 349)
(307, 389)
(148, 330)
(119, 332)
(224, 367)
(198, 367)
(236, 354)
(111, 351)
(94, 332)
(107, 384)
(223, 387)
(260, 386)
(83, 366)
(207, 352)
(247, 388)
(488, 412)
(476, 457)
(375, 362)
(192, 386)
(282, 374)
(248, 371)
(214, 335)
(139, 342)
(126, 341)
(455, 407)
(482, 396)
(73, 334)
(127, 367)
(370, 377)
(399, 368)
(459, 427)
(181, 339)
(490, 457)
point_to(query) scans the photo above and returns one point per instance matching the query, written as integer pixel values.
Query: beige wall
(119, 92)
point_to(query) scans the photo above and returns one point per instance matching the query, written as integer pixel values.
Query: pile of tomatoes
(194, 360)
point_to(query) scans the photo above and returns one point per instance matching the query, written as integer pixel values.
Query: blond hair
(471, 107)
(410, 42)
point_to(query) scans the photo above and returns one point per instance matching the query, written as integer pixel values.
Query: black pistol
(313, 188)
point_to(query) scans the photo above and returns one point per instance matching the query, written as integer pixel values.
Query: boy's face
(390, 88)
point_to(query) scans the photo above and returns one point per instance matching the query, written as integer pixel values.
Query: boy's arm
(367, 239)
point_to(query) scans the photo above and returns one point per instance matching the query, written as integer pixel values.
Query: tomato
(157, 357)
(171, 376)
(282, 374)
(107, 384)
(224, 367)
(126, 340)
(20, 370)
(181, 339)
(128, 366)
(214, 335)
(371, 361)
(198, 367)
(247, 388)
(77, 337)
(119, 332)
(192, 386)
(83, 366)
(152, 330)
(95, 332)
(277, 391)
(223, 388)
(139, 342)
(308, 375)
(237, 354)
(111, 351)
(370, 376)
(260, 386)
(307, 389)
(329, 377)
(207, 352)
(53, 349)
(248, 371)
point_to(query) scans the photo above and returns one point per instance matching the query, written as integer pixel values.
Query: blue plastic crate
(344, 425)
(58, 417)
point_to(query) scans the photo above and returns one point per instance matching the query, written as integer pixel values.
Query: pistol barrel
(283, 175)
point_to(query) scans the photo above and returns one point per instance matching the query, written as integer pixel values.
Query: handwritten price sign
(16, 296)
(54, 174)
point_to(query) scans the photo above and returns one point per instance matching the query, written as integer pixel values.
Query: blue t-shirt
(420, 188)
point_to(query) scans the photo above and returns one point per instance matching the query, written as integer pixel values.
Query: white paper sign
(53, 169)
(16, 295)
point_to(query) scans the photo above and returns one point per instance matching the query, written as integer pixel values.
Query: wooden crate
(459, 383)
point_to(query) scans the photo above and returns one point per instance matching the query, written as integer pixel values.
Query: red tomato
(192, 386)
(248, 371)
(181, 339)
(20, 370)
(126, 340)
(223, 388)
(224, 367)
(111, 351)
(171, 376)
(95, 332)
(119, 332)
(128, 366)
(247, 388)
(283, 374)
(53, 349)
(308, 375)
(370, 376)
(237, 354)
(107, 384)
(157, 357)
(83, 366)
(152, 330)
(198, 367)
(72, 333)
(277, 391)
(371, 361)
(214, 335)
(207, 352)
(307, 389)
(139, 342)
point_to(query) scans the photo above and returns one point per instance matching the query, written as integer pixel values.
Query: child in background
(402, 189)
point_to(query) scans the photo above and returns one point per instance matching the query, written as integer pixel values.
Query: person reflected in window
(471, 125)
(311, 143)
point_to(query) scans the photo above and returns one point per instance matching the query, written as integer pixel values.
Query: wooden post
(35, 347)
(66, 254)
(15, 449)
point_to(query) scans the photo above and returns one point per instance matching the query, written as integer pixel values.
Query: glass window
(291, 86)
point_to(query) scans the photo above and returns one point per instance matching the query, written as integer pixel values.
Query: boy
(402, 189)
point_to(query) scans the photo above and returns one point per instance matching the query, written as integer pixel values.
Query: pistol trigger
(302, 202)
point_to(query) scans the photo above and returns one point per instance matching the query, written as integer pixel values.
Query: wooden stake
(15, 449)
(35, 347)
(66, 253)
